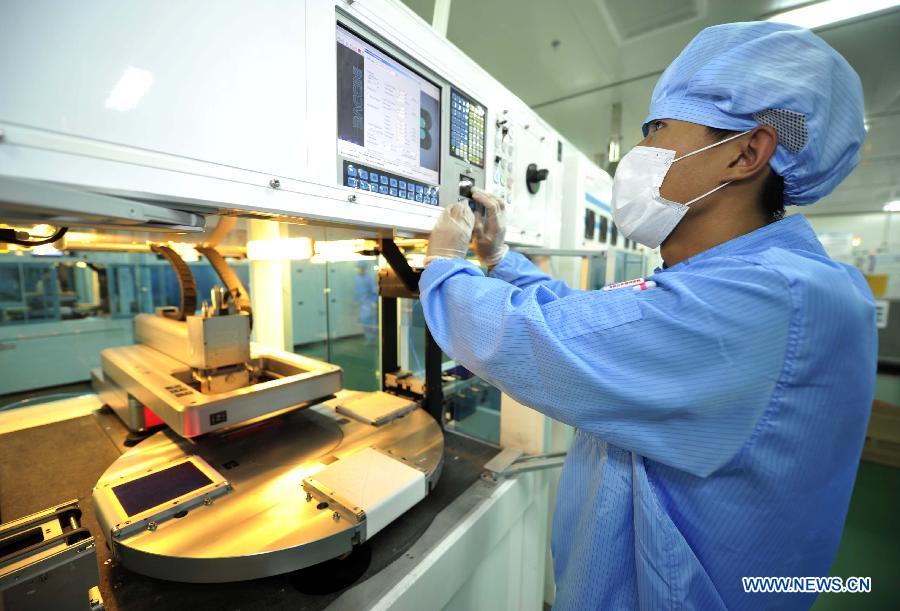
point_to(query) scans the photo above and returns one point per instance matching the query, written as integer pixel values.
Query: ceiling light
(186, 251)
(893, 206)
(831, 11)
(129, 89)
(339, 250)
(283, 249)
(46, 250)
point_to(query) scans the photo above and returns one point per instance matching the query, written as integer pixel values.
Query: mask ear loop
(706, 148)
(713, 145)
(710, 192)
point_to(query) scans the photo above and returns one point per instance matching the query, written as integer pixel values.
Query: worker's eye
(655, 126)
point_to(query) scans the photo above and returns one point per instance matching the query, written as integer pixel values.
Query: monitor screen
(389, 120)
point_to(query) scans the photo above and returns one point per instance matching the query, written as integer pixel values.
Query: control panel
(403, 131)
(467, 118)
(374, 180)
(502, 179)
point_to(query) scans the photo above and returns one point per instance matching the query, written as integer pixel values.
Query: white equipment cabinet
(216, 106)
(587, 224)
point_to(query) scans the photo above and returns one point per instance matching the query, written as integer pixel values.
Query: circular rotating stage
(262, 522)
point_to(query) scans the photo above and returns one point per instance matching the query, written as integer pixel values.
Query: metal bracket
(233, 284)
(400, 265)
(404, 282)
(513, 461)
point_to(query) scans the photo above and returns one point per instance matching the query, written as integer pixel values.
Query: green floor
(871, 543)
(887, 388)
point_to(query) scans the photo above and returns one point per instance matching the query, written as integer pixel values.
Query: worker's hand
(451, 234)
(490, 229)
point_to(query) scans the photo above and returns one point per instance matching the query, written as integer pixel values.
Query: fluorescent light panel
(831, 11)
(893, 206)
(284, 249)
(129, 90)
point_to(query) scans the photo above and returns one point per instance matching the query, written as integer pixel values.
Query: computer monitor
(389, 123)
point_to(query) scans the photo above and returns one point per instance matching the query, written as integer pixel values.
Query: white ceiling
(610, 51)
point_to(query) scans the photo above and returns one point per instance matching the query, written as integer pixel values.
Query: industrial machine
(333, 113)
(357, 114)
(300, 485)
(247, 449)
(588, 229)
(198, 373)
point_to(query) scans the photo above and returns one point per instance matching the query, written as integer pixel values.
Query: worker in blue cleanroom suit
(721, 412)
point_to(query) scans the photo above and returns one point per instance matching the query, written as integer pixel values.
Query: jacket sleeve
(681, 373)
(517, 270)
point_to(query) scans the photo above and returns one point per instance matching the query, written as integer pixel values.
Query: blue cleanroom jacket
(719, 416)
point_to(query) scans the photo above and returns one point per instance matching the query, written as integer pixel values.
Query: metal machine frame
(50, 561)
(404, 283)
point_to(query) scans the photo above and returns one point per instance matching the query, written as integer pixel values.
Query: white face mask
(639, 211)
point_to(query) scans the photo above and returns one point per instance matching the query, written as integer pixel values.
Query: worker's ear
(752, 154)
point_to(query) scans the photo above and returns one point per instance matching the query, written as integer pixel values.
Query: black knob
(534, 176)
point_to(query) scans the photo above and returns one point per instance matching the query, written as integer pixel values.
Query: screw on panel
(151, 526)
(351, 198)
(335, 516)
(275, 183)
(308, 497)
(207, 501)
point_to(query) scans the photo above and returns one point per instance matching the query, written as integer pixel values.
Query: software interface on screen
(389, 124)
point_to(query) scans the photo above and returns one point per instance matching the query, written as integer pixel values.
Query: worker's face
(695, 175)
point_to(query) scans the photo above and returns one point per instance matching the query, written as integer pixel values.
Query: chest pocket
(591, 312)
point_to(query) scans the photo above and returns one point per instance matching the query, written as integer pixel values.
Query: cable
(23, 238)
